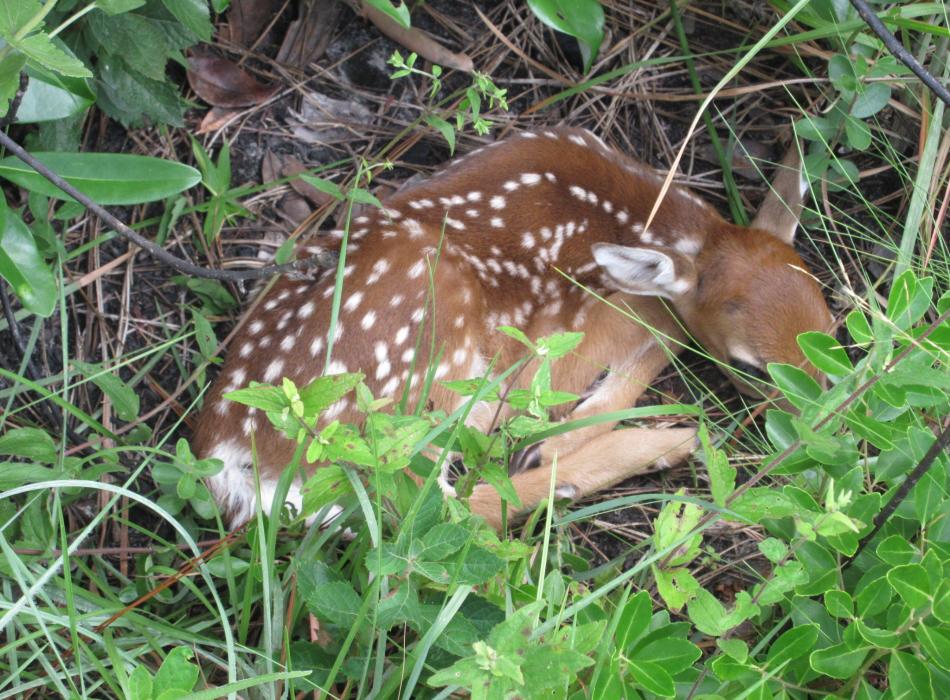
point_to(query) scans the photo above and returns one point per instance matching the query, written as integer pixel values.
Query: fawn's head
(743, 292)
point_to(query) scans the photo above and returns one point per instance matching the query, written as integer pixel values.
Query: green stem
(73, 18)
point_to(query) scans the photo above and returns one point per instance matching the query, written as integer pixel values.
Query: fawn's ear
(782, 207)
(647, 271)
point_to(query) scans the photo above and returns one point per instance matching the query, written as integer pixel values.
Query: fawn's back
(512, 234)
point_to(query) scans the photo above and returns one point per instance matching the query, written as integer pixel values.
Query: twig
(10, 116)
(322, 259)
(902, 54)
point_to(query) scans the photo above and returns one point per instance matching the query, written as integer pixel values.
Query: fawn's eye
(746, 369)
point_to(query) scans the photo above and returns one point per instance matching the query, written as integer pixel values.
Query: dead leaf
(215, 118)
(221, 83)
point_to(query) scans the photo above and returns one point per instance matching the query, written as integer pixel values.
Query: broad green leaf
(675, 586)
(177, 674)
(707, 613)
(909, 299)
(582, 19)
(40, 48)
(858, 133)
(323, 185)
(799, 388)
(22, 266)
(559, 344)
(736, 649)
(674, 655)
(193, 14)
(859, 328)
(839, 604)
(651, 676)
(909, 678)
(871, 100)
(792, 644)
(117, 7)
(15, 15)
(328, 485)
(140, 684)
(941, 605)
(873, 594)
(45, 102)
(262, 396)
(838, 661)
(442, 540)
(323, 392)
(936, 643)
(774, 549)
(818, 129)
(517, 334)
(10, 67)
(335, 602)
(14, 474)
(633, 620)
(883, 639)
(911, 583)
(896, 550)
(825, 353)
(106, 178)
(722, 475)
(125, 401)
(29, 443)
(444, 128)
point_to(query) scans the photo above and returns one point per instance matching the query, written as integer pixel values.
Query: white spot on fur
(273, 370)
(497, 202)
(352, 301)
(368, 320)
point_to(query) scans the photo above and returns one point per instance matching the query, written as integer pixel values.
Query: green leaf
(859, 328)
(651, 676)
(328, 485)
(722, 475)
(839, 604)
(15, 15)
(518, 335)
(909, 678)
(858, 133)
(838, 661)
(871, 100)
(941, 605)
(125, 401)
(132, 98)
(117, 7)
(911, 583)
(792, 644)
(193, 14)
(799, 388)
(883, 639)
(323, 185)
(140, 684)
(896, 550)
(10, 67)
(909, 299)
(106, 178)
(177, 674)
(818, 129)
(22, 266)
(45, 102)
(736, 649)
(323, 392)
(398, 13)
(262, 396)
(707, 613)
(40, 48)
(14, 474)
(825, 353)
(633, 620)
(774, 549)
(335, 602)
(558, 345)
(675, 586)
(936, 643)
(444, 128)
(582, 19)
(674, 655)
(442, 540)
(29, 443)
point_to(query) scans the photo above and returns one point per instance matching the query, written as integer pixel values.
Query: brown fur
(558, 192)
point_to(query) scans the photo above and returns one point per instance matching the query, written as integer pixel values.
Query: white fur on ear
(640, 270)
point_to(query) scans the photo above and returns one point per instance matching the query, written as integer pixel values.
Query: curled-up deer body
(511, 235)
